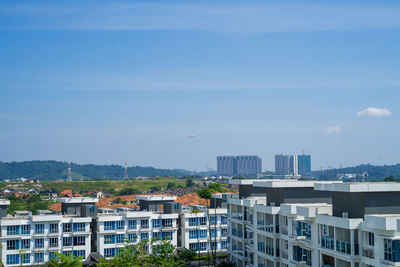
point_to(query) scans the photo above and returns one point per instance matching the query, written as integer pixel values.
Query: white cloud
(374, 112)
(333, 130)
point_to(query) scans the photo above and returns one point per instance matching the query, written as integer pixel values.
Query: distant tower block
(126, 171)
(69, 172)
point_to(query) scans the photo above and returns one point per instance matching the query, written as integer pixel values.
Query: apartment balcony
(269, 228)
(285, 254)
(327, 242)
(265, 249)
(238, 252)
(237, 216)
(368, 252)
(237, 233)
(284, 230)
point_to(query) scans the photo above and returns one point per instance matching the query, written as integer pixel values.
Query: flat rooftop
(78, 200)
(156, 197)
(4, 202)
(290, 183)
(359, 187)
(245, 181)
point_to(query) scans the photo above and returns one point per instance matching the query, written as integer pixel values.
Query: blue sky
(116, 81)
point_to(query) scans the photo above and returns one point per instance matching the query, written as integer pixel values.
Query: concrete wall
(249, 190)
(359, 204)
(297, 195)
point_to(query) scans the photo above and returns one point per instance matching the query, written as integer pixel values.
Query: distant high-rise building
(247, 166)
(286, 164)
(226, 165)
(304, 164)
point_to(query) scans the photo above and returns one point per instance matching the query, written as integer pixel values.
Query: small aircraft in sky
(192, 136)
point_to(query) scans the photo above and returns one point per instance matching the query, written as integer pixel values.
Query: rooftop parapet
(358, 187)
(156, 198)
(78, 200)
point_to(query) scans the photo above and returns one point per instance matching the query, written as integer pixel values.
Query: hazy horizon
(108, 82)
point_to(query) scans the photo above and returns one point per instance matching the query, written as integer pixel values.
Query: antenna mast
(126, 171)
(69, 172)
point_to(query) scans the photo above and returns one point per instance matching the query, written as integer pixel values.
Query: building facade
(246, 166)
(304, 165)
(321, 224)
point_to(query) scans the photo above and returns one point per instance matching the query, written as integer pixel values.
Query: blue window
(91, 208)
(224, 220)
(39, 257)
(120, 225)
(13, 230)
(144, 224)
(67, 227)
(192, 221)
(144, 236)
(26, 258)
(79, 253)
(132, 224)
(213, 220)
(53, 228)
(39, 228)
(109, 252)
(109, 239)
(109, 226)
(53, 242)
(12, 244)
(166, 222)
(39, 243)
(132, 237)
(224, 244)
(192, 234)
(156, 223)
(120, 238)
(25, 229)
(203, 233)
(79, 227)
(212, 233)
(67, 241)
(12, 259)
(25, 243)
(52, 255)
(79, 240)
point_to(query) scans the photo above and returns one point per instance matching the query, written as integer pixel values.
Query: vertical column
(352, 252)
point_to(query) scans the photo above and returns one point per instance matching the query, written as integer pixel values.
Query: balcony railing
(237, 216)
(237, 233)
(265, 249)
(284, 230)
(265, 227)
(285, 254)
(343, 246)
(327, 242)
(368, 252)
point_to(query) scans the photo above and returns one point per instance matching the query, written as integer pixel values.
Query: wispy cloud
(333, 130)
(374, 112)
(237, 17)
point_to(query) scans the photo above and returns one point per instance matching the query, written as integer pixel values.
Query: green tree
(189, 183)
(205, 193)
(129, 191)
(137, 256)
(187, 255)
(171, 185)
(64, 261)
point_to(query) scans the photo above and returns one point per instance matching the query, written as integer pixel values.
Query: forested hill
(374, 172)
(54, 170)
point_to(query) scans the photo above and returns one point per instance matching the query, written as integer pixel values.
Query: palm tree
(65, 261)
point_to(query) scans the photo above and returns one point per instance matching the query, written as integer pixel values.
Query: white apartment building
(116, 228)
(360, 227)
(201, 230)
(33, 239)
